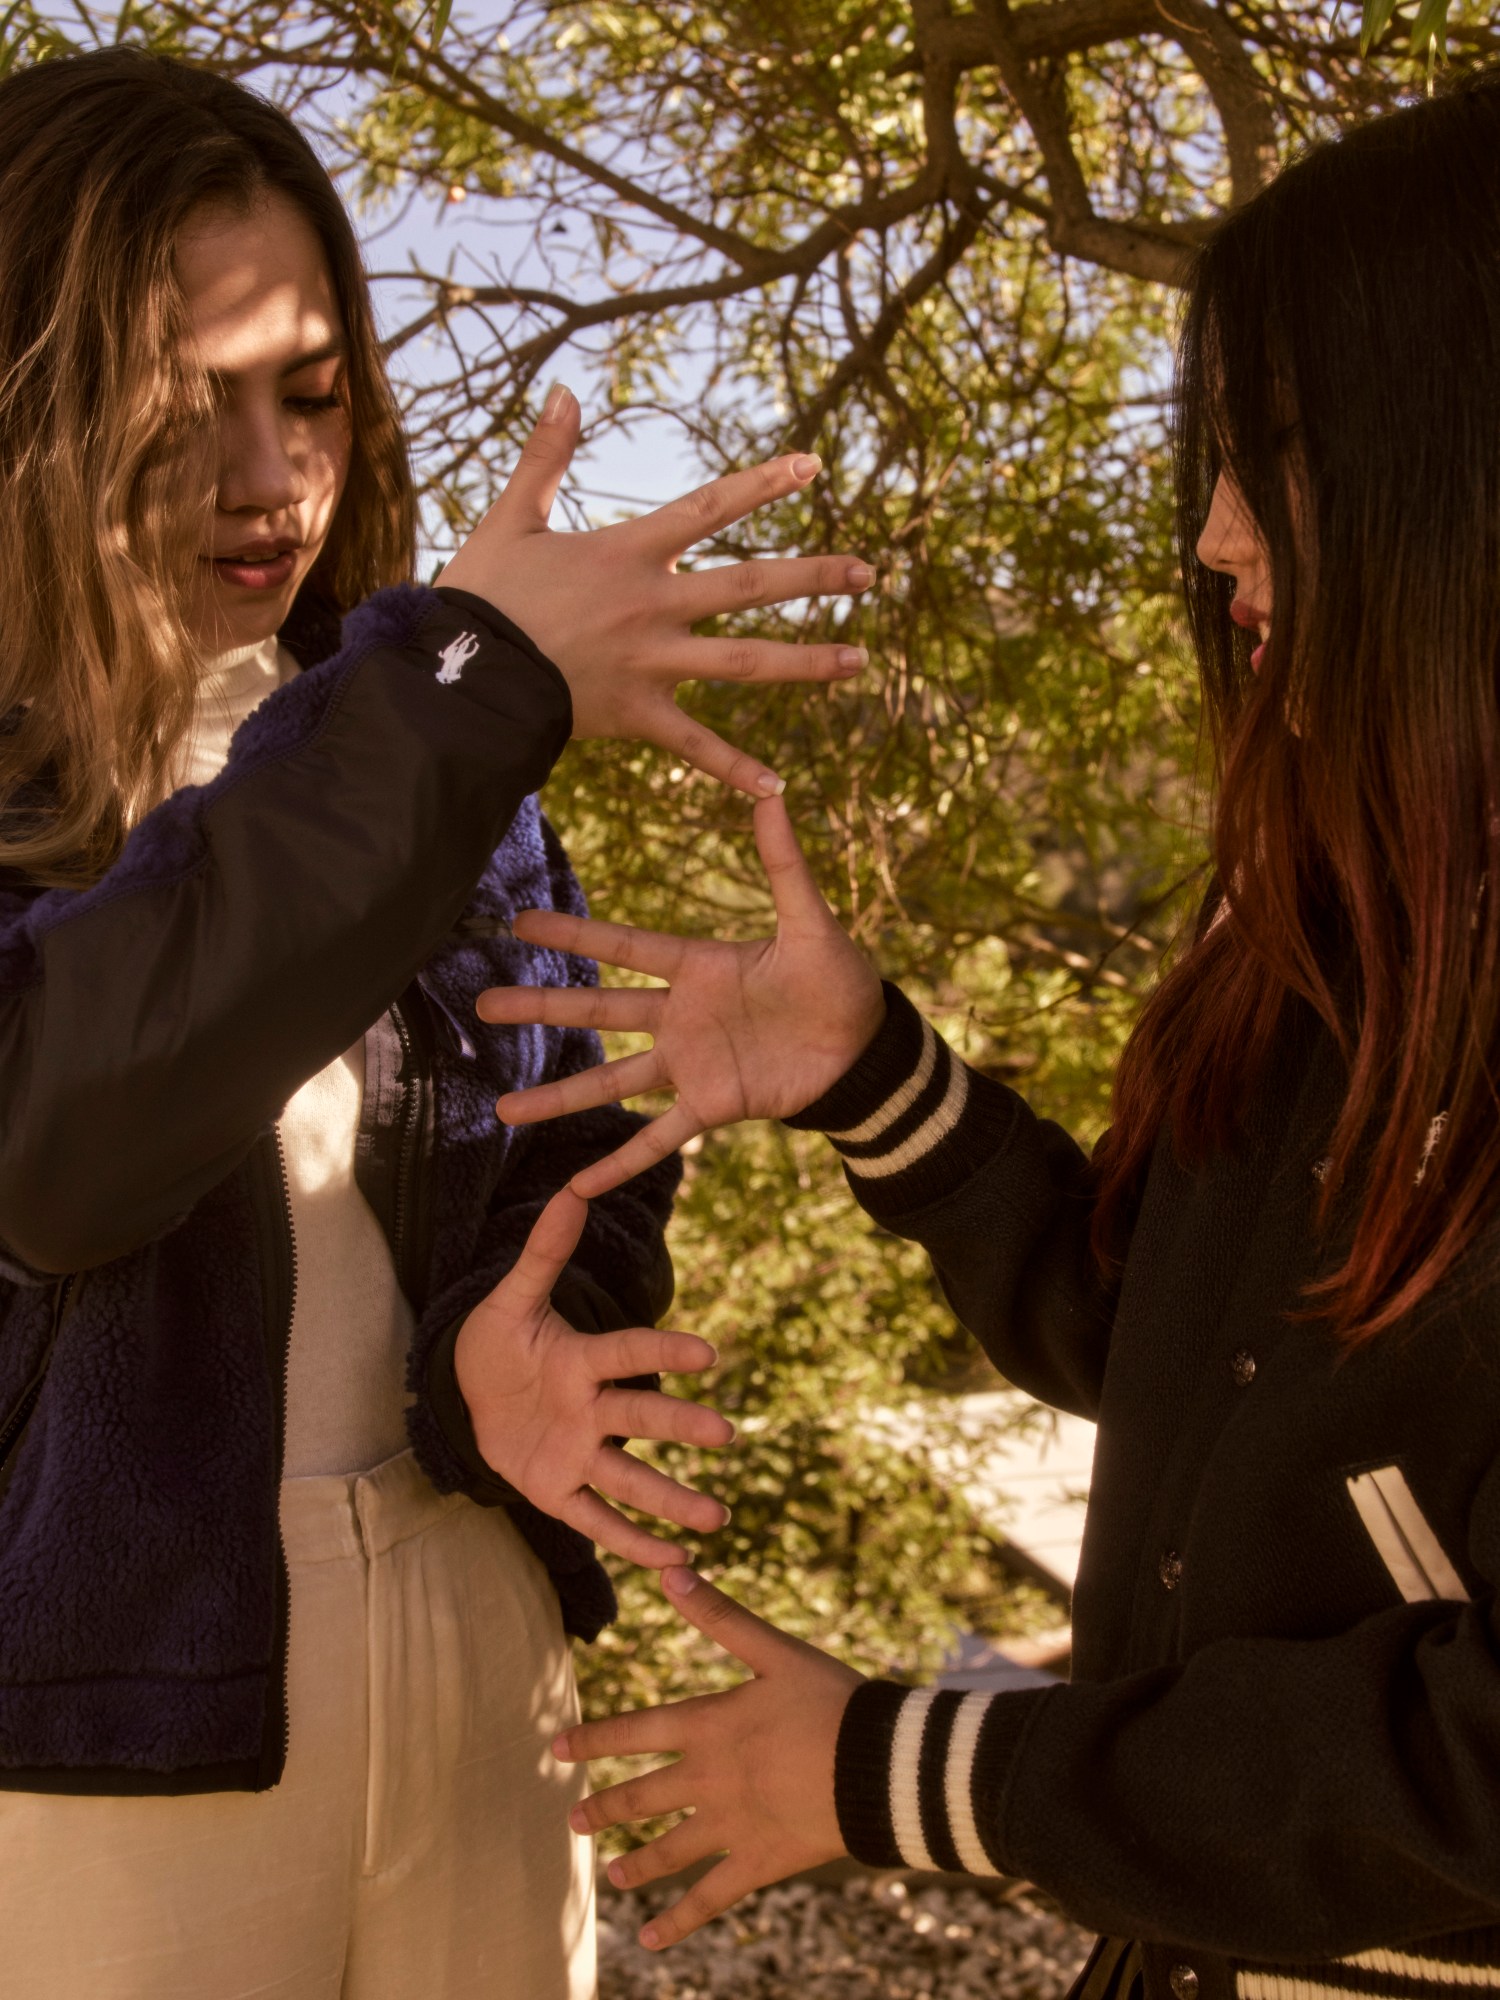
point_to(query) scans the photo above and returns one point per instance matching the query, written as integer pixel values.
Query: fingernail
(680, 1582)
(725, 1517)
(616, 1874)
(805, 466)
(560, 1746)
(852, 658)
(649, 1937)
(557, 397)
(859, 576)
(769, 785)
(577, 1821)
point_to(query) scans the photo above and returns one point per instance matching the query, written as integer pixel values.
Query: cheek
(328, 473)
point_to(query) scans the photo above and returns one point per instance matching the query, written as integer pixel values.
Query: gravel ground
(870, 1938)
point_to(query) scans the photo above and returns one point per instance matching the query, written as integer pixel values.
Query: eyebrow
(331, 350)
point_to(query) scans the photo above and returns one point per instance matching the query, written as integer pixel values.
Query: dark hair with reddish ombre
(1340, 359)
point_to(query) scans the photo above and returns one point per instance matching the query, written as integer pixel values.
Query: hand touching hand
(543, 1403)
(755, 1766)
(756, 1030)
(610, 608)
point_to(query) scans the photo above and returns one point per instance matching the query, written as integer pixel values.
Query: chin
(230, 623)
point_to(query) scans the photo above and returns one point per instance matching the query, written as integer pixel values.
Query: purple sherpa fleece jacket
(138, 1535)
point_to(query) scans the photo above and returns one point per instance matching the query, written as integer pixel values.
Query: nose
(1228, 541)
(261, 470)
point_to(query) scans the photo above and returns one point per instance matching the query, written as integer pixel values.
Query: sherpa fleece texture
(138, 1537)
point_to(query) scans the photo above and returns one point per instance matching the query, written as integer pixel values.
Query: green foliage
(1429, 27)
(1000, 813)
(735, 225)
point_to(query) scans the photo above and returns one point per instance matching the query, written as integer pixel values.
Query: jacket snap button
(1184, 1982)
(1170, 1573)
(1242, 1367)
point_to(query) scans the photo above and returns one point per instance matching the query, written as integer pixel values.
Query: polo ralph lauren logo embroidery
(1403, 1537)
(455, 656)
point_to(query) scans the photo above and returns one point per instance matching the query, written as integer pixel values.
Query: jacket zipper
(277, 1738)
(15, 1425)
(408, 1252)
(404, 1166)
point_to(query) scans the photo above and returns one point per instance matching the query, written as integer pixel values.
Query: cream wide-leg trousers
(417, 1847)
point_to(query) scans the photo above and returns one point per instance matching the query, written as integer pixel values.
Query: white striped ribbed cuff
(901, 1099)
(920, 1113)
(932, 1781)
(919, 1774)
(1338, 1978)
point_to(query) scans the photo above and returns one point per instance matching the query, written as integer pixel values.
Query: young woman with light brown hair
(280, 1300)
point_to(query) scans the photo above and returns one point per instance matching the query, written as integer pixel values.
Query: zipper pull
(449, 1025)
(483, 924)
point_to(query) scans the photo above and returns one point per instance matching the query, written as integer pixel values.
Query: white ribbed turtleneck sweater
(351, 1325)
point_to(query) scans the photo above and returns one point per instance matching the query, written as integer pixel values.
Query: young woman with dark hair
(279, 1299)
(1276, 1771)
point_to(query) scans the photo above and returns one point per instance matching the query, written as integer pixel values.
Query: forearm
(1271, 1797)
(999, 1199)
(251, 930)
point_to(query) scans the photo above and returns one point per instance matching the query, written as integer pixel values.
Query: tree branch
(1038, 88)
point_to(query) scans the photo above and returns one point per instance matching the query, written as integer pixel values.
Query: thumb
(798, 899)
(761, 1647)
(527, 497)
(553, 1239)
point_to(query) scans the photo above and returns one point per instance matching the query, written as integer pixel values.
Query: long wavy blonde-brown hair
(106, 459)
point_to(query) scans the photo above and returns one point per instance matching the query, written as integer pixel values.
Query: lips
(264, 565)
(1253, 619)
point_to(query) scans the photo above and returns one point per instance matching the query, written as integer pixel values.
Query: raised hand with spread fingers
(612, 611)
(757, 1030)
(547, 1405)
(755, 1767)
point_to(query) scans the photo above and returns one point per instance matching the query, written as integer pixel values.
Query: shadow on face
(264, 322)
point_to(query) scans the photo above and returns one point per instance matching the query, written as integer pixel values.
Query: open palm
(549, 1406)
(756, 1030)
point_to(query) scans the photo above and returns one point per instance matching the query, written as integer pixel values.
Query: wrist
(877, 1046)
(448, 1407)
(866, 1025)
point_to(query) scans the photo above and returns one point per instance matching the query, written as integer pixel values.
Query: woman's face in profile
(1231, 543)
(264, 319)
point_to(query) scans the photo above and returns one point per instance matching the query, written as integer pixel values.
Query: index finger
(652, 1143)
(639, 1732)
(655, 953)
(553, 1239)
(800, 903)
(674, 528)
(758, 1645)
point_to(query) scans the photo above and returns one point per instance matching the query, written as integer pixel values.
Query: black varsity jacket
(1277, 1764)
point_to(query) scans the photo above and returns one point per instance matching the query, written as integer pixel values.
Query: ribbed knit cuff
(909, 1765)
(911, 1120)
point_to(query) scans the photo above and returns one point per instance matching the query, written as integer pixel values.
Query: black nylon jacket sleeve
(152, 1025)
